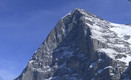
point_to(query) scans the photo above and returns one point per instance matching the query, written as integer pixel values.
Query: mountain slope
(82, 46)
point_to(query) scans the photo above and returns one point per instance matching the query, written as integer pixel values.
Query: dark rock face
(72, 51)
(127, 74)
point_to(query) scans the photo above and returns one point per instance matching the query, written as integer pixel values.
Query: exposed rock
(127, 74)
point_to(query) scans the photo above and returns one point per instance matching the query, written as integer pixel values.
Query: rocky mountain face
(82, 46)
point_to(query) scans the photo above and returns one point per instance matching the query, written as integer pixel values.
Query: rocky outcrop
(126, 75)
(80, 47)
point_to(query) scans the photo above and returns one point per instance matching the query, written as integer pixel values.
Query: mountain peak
(82, 12)
(79, 9)
(76, 11)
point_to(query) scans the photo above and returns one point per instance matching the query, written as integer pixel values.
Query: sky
(24, 25)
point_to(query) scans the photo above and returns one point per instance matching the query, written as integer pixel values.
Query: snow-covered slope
(82, 46)
(116, 36)
(124, 34)
(123, 31)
